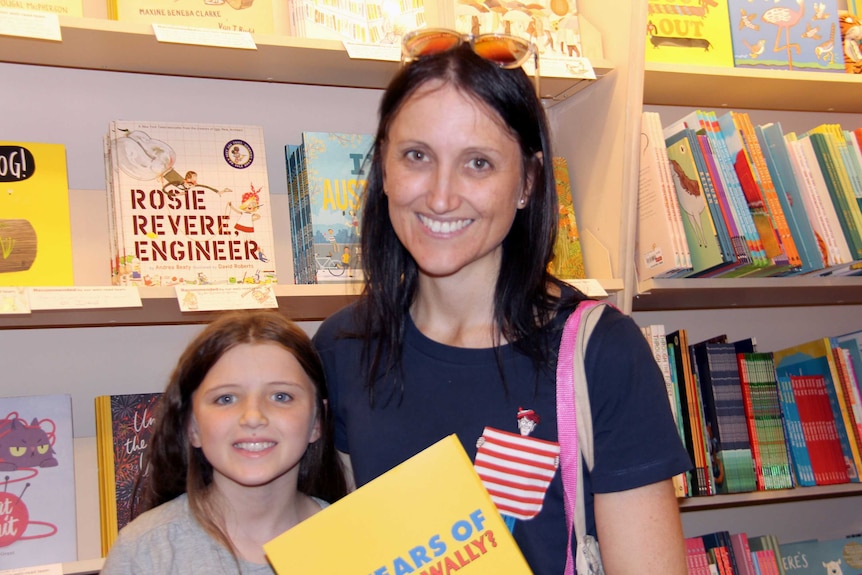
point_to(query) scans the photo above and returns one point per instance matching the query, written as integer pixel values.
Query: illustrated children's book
(330, 177)
(367, 22)
(568, 261)
(37, 500)
(700, 230)
(688, 33)
(124, 424)
(786, 35)
(35, 231)
(253, 16)
(831, 556)
(430, 514)
(554, 26)
(191, 204)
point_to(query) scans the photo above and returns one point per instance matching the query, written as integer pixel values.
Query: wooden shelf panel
(711, 87)
(697, 293)
(766, 497)
(160, 307)
(98, 44)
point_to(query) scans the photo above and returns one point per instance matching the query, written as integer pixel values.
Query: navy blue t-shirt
(456, 390)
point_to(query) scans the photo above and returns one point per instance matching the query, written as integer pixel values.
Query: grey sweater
(168, 540)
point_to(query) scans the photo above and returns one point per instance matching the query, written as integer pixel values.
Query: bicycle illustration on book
(328, 265)
(24, 448)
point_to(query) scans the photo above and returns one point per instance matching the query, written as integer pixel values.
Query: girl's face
(454, 180)
(254, 415)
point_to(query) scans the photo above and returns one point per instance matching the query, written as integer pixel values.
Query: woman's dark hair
(173, 466)
(524, 299)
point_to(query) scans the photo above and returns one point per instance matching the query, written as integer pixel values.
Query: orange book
(767, 186)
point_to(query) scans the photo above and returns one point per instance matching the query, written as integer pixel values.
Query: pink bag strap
(571, 381)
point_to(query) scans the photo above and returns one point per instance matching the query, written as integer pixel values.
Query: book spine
(839, 197)
(778, 218)
(800, 457)
(771, 139)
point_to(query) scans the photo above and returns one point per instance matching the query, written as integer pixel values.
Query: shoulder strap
(574, 419)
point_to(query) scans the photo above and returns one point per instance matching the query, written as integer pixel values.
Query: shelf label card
(589, 287)
(91, 297)
(13, 301)
(51, 569)
(30, 24)
(224, 297)
(578, 68)
(204, 36)
(364, 51)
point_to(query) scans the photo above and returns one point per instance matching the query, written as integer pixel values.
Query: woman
(459, 323)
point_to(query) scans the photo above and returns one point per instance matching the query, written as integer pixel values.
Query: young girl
(242, 451)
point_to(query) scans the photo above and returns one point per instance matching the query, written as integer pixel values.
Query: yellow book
(568, 260)
(253, 16)
(696, 33)
(35, 230)
(430, 514)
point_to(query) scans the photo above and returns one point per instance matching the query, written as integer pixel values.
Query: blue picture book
(332, 175)
(824, 556)
(786, 35)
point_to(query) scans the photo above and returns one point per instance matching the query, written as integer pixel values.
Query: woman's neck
(455, 312)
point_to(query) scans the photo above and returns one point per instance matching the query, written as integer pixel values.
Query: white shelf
(99, 44)
(772, 496)
(714, 87)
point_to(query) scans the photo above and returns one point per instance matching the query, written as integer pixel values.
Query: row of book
(554, 26)
(737, 553)
(190, 204)
(762, 420)
(722, 197)
(794, 35)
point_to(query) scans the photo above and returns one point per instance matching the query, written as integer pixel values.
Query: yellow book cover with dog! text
(35, 230)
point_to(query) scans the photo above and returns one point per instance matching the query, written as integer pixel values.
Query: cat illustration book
(37, 502)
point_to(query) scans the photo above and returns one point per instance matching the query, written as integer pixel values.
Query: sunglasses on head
(504, 50)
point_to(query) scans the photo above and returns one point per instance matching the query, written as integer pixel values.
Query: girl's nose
(253, 415)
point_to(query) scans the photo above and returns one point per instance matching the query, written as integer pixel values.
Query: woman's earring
(522, 201)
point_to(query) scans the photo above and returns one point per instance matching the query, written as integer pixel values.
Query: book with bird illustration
(35, 228)
(786, 35)
(191, 204)
(695, 33)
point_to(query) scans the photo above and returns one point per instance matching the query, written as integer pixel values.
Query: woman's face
(454, 180)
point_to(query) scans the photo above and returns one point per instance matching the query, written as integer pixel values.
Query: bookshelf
(603, 155)
(68, 91)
